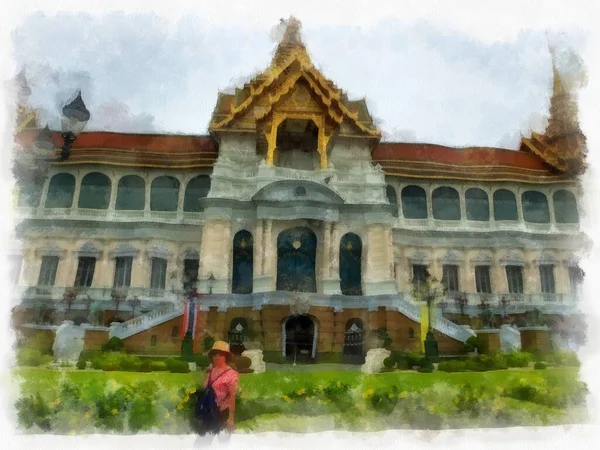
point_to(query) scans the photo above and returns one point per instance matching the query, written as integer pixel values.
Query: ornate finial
(24, 90)
(292, 32)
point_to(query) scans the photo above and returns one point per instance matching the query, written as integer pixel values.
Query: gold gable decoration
(291, 88)
(563, 144)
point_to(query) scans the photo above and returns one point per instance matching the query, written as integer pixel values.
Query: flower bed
(87, 402)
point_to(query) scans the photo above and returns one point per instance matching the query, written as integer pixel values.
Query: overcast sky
(423, 81)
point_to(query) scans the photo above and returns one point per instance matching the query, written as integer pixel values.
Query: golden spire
(291, 40)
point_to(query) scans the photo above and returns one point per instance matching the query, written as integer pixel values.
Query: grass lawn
(420, 399)
(34, 379)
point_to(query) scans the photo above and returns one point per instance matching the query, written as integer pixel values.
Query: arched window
(565, 207)
(350, 264)
(60, 191)
(30, 194)
(95, 191)
(243, 263)
(505, 205)
(131, 193)
(164, 194)
(478, 205)
(446, 204)
(414, 202)
(535, 207)
(196, 189)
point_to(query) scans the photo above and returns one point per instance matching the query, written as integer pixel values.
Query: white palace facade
(297, 225)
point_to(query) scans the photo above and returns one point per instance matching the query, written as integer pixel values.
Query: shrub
(243, 363)
(32, 357)
(425, 366)
(564, 358)
(158, 366)
(413, 359)
(41, 341)
(33, 410)
(539, 366)
(389, 363)
(452, 366)
(178, 366)
(518, 359)
(114, 344)
(130, 363)
(208, 343)
(145, 366)
(81, 364)
(201, 361)
(273, 357)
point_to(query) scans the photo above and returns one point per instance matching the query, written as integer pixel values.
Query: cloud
(116, 116)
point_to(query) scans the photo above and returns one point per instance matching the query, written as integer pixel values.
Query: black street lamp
(430, 291)
(75, 118)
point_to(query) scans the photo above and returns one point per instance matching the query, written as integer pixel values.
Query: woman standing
(223, 380)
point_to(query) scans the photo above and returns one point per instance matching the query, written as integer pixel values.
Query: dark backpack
(207, 411)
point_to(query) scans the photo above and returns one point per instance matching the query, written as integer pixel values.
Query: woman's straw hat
(220, 346)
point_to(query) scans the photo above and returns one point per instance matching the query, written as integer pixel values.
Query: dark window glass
(414, 202)
(547, 278)
(446, 204)
(159, 273)
(482, 279)
(131, 193)
(565, 207)
(505, 205)
(195, 190)
(164, 194)
(535, 207)
(123, 266)
(48, 270)
(514, 277)
(95, 191)
(450, 278)
(85, 271)
(60, 191)
(477, 205)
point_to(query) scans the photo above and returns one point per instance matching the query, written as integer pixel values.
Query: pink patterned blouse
(225, 387)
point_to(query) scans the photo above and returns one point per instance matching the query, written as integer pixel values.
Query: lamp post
(430, 291)
(75, 118)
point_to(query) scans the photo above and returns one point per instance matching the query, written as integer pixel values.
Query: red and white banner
(191, 311)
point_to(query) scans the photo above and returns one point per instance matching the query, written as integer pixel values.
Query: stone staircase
(450, 329)
(404, 305)
(145, 321)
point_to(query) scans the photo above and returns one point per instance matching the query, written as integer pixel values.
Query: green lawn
(275, 401)
(270, 383)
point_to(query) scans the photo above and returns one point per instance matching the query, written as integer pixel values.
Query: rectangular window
(190, 273)
(15, 269)
(175, 331)
(48, 271)
(514, 277)
(482, 279)
(450, 278)
(547, 279)
(85, 271)
(153, 340)
(575, 279)
(123, 266)
(159, 273)
(419, 274)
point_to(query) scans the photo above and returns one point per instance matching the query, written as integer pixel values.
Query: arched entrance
(354, 342)
(299, 338)
(296, 255)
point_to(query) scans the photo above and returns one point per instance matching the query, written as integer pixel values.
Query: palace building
(302, 231)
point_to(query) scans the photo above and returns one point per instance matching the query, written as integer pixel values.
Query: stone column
(378, 278)
(258, 248)
(330, 272)
(77, 191)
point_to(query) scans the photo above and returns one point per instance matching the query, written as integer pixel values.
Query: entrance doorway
(296, 255)
(300, 339)
(354, 342)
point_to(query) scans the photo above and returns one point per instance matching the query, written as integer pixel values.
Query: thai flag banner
(186, 318)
